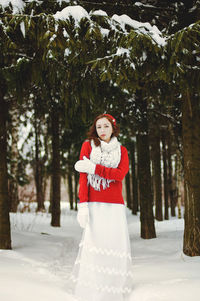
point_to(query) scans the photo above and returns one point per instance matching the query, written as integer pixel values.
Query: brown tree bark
(38, 170)
(170, 177)
(134, 180)
(55, 216)
(70, 189)
(76, 180)
(191, 149)
(5, 235)
(157, 179)
(70, 174)
(165, 175)
(145, 192)
(51, 194)
(13, 184)
(144, 171)
(178, 172)
(128, 190)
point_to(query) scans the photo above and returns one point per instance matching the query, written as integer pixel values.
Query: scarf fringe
(96, 181)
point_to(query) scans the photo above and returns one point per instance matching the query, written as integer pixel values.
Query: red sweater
(113, 193)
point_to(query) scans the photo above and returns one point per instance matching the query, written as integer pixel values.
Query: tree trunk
(191, 149)
(170, 178)
(134, 181)
(55, 217)
(13, 184)
(38, 170)
(156, 160)
(145, 193)
(165, 175)
(178, 184)
(70, 189)
(5, 235)
(76, 180)
(128, 190)
(51, 194)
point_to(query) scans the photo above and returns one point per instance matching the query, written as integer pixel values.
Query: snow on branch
(144, 28)
(17, 5)
(99, 13)
(76, 11)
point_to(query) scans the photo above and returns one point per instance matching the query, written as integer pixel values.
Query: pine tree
(5, 236)
(186, 73)
(156, 162)
(144, 174)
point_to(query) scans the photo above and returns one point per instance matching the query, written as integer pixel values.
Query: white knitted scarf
(106, 154)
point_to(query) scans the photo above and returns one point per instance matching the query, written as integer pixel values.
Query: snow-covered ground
(42, 257)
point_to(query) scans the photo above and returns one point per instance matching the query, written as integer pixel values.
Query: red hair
(92, 133)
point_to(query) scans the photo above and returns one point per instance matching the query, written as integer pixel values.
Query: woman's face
(104, 129)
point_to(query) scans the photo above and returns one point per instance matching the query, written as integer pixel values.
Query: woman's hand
(83, 214)
(85, 165)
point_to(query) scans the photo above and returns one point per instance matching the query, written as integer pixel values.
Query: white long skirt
(102, 270)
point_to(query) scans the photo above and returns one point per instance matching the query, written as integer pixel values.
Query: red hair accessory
(111, 117)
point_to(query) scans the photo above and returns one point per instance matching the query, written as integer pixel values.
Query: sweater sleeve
(115, 173)
(83, 186)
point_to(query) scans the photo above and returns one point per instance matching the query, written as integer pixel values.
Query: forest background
(64, 62)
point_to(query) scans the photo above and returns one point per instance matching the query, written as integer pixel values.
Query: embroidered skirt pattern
(102, 270)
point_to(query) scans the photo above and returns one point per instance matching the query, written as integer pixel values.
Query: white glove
(83, 214)
(85, 165)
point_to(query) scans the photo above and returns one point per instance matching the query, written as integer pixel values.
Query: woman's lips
(103, 135)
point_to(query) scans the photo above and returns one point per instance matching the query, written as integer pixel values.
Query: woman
(102, 271)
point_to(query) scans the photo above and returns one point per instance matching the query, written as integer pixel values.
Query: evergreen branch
(19, 55)
(24, 15)
(192, 67)
(102, 58)
(145, 6)
(166, 116)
